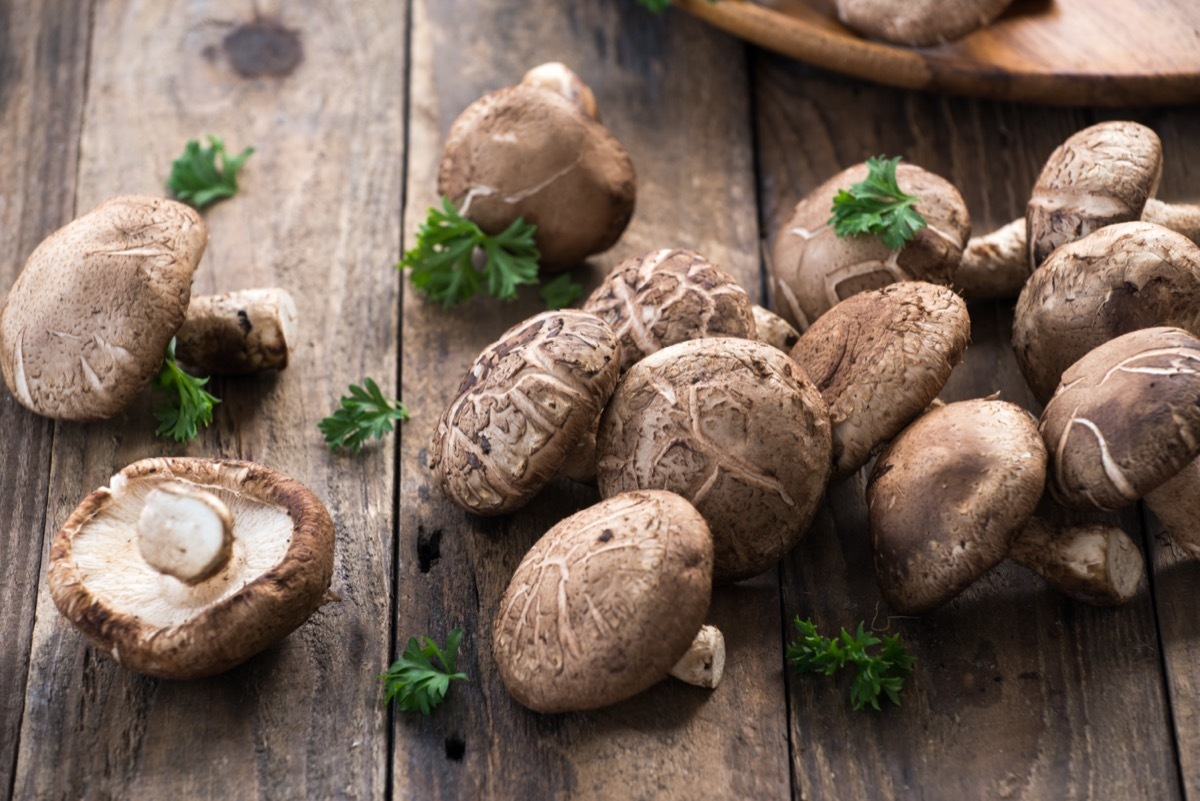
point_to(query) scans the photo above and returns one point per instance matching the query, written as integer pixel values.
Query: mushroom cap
(947, 498)
(879, 359)
(812, 268)
(85, 325)
(605, 603)
(918, 23)
(155, 624)
(1125, 418)
(523, 406)
(1118, 279)
(529, 152)
(669, 296)
(777, 332)
(734, 426)
(1101, 175)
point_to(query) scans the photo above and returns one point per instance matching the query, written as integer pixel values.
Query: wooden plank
(41, 110)
(1017, 692)
(685, 123)
(318, 88)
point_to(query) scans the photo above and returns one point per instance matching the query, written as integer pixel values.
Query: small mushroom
(879, 359)
(238, 332)
(605, 604)
(670, 296)
(85, 326)
(1121, 278)
(777, 332)
(736, 428)
(182, 568)
(526, 402)
(918, 23)
(529, 152)
(1096, 563)
(812, 268)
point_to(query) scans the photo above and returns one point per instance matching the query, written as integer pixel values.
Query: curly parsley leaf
(415, 681)
(560, 293)
(442, 262)
(366, 412)
(877, 206)
(882, 672)
(659, 6)
(187, 405)
(198, 181)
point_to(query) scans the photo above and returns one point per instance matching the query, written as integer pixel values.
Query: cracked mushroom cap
(736, 428)
(85, 326)
(1125, 418)
(879, 359)
(529, 152)
(669, 296)
(1101, 175)
(524, 405)
(1119, 279)
(605, 603)
(947, 498)
(812, 268)
(276, 572)
(918, 23)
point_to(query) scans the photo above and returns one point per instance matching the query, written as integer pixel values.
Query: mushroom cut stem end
(185, 532)
(704, 662)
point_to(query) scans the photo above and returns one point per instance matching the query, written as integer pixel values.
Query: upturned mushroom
(736, 428)
(918, 23)
(529, 152)
(526, 402)
(669, 296)
(879, 359)
(1121, 278)
(607, 603)
(812, 268)
(183, 568)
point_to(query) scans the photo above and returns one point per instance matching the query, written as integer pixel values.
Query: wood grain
(1015, 692)
(690, 142)
(1061, 52)
(319, 89)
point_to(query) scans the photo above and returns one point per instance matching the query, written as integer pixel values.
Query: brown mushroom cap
(1125, 418)
(152, 623)
(525, 403)
(1119, 279)
(879, 358)
(85, 325)
(1100, 176)
(918, 23)
(812, 268)
(670, 296)
(947, 497)
(734, 426)
(605, 603)
(529, 152)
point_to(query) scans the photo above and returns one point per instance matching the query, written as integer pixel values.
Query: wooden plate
(1065, 52)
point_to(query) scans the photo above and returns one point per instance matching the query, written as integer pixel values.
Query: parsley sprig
(197, 180)
(560, 293)
(415, 681)
(187, 405)
(884, 672)
(877, 206)
(366, 412)
(441, 264)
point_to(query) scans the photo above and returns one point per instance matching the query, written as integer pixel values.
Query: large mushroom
(182, 568)
(918, 23)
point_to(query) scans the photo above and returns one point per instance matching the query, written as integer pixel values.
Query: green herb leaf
(366, 412)
(560, 293)
(877, 206)
(417, 684)
(187, 405)
(441, 262)
(874, 674)
(195, 178)
(657, 6)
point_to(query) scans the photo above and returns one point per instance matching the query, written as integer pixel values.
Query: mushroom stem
(704, 662)
(995, 266)
(238, 332)
(561, 79)
(1174, 504)
(185, 532)
(1182, 218)
(1095, 563)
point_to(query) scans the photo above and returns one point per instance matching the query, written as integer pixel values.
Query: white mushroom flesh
(184, 533)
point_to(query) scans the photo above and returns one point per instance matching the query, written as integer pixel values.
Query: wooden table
(1017, 693)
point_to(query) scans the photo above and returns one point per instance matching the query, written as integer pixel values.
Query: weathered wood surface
(1018, 693)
